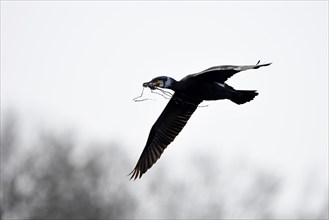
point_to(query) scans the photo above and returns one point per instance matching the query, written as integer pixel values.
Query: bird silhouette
(189, 92)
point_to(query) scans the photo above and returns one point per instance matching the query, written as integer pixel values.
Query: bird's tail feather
(242, 96)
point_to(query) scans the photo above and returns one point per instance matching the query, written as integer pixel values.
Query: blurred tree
(55, 177)
(47, 184)
(8, 134)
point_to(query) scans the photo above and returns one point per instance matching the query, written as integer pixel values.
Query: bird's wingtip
(134, 174)
(261, 65)
(258, 63)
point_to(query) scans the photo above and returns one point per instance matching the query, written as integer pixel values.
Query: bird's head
(161, 81)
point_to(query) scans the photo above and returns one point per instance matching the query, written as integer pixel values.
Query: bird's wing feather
(221, 73)
(171, 121)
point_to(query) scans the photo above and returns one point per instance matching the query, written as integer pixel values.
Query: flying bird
(189, 92)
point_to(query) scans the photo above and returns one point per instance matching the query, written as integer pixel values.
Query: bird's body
(191, 87)
(189, 93)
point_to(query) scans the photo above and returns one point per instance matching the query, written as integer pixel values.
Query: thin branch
(165, 94)
(140, 100)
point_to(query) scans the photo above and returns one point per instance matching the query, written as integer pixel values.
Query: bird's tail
(242, 96)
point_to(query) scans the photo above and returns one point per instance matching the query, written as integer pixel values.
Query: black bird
(189, 93)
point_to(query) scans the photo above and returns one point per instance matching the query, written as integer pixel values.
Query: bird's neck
(172, 84)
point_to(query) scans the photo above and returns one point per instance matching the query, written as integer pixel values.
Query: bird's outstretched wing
(221, 73)
(171, 121)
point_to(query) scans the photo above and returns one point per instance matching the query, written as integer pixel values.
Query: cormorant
(189, 93)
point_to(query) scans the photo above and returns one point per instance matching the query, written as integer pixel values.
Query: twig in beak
(140, 100)
(166, 94)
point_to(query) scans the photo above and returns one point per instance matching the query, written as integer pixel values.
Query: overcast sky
(78, 65)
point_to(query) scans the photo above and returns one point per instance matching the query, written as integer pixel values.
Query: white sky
(78, 65)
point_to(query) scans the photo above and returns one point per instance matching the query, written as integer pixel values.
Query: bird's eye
(159, 83)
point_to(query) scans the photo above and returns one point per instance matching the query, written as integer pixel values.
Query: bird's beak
(146, 84)
(150, 84)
